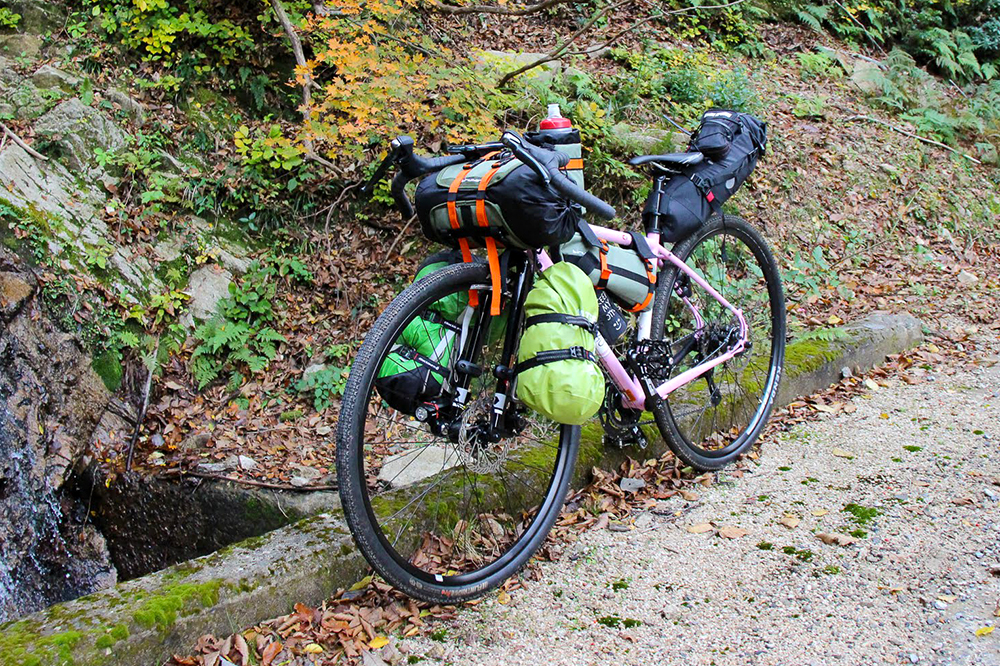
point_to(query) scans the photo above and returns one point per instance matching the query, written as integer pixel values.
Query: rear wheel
(712, 420)
(441, 509)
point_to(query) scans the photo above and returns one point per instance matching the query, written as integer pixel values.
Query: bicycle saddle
(671, 159)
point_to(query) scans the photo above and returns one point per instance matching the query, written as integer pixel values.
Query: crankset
(622, 426)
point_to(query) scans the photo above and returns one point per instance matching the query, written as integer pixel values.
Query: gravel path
(921, 579)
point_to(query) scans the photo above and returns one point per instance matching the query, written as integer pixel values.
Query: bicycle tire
(666, 302)
(355, 493)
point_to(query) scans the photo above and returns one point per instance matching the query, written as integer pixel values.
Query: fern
(813, 16)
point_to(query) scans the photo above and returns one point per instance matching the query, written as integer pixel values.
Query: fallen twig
(562, 48)
(493, 9)
(246, 482)
(141, 416)
(17, 140)
(398, 237)
(914, 136)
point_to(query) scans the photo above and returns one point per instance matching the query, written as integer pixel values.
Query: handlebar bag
(495, 197)
(418, 367)
(557, 371)
(628, 278)
(732, 143)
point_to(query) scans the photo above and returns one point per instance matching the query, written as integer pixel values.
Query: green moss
(162, 608)
(109, 369)
(22, 644)
(803, 356)
(118, 633)
(862, 515)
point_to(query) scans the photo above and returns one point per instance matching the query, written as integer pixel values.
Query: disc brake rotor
(480, 455)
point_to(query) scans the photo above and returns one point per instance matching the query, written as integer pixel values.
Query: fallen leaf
(700, 528)
(371, 659)
(689, 496)
(947, 598)
(871, 384)
(313, 648)
(270, 652)
(819, 512)
(378, 642)
(832, 539)
(361, 584)
(984, 631)
(963, 501)
(841, 453)
(828, 409)
(850, 408)
(732, 532)
(503, 597)
(790, 521)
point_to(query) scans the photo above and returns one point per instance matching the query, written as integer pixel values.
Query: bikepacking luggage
(496, 197)
(418, 367)
(557, 371)
(629, 278)
(732, 143)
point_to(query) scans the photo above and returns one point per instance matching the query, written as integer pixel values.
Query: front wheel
(443, 506)
(709, 422)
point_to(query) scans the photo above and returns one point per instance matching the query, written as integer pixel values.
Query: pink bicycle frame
(634, 396)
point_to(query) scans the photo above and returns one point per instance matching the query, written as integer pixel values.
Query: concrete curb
(143, 621)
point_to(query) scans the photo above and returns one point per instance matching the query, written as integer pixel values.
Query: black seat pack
(732, 143)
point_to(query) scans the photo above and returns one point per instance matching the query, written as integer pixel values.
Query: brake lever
(379, 174)
(514, 143)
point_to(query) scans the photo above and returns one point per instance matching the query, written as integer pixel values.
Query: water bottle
(610, 321)
(558, 133)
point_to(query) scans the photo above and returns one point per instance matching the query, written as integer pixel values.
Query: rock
(195, 442)
(631, 485)
(940, 605)
(213, 467)
(641, 141)
(134, 109)
(38, 16)
(966, 278)
(233, 263)
(21, 45)
(246, 462)
(300, 481)
(49, 189)
(207, 286)
(14, 290)
(313, 369)
(416, 465)
(48, 77)
(51, 401)
(866, 77)
(168, 250)
(306, 472)
(77, 130)
(846, 373)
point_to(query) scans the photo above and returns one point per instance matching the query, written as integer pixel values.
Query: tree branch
(307, 86)
(492, 9)
(561, 49)
(17, 140)
(914, 136)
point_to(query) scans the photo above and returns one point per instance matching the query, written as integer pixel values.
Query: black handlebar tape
(573, 191)
(398, 190)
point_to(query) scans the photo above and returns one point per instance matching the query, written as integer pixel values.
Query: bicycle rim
(447, 513)
(709, 421)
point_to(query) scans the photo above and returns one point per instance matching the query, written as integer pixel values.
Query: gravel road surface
(913, 473)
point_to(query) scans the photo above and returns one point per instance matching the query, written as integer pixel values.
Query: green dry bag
(557, 372)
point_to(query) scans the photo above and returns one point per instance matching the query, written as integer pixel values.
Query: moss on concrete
(23, 644)
(161, 609)
(802, 356)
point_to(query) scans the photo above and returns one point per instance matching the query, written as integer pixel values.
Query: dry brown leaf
(841, 453)
(819, 512)
(689, 496)
(503, 598)
(700, 528)
(732, 532)
(833, 539)
(871, 384)
(963, 501)
(269, 653)
(790, 521)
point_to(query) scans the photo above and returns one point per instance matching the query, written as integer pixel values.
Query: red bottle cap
(555, 123)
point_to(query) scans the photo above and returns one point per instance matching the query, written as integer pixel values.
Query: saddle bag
(732, 143)
(626, 276)
(557, 371)
(497, 197)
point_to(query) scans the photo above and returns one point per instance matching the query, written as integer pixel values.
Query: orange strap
(463, 243)
(605, 270)
(651, 276)
(575, 164)
(491, 244)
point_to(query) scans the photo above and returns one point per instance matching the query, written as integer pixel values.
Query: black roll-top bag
(520, 210)
(732, 143)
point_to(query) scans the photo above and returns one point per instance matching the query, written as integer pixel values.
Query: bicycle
(449, 503)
